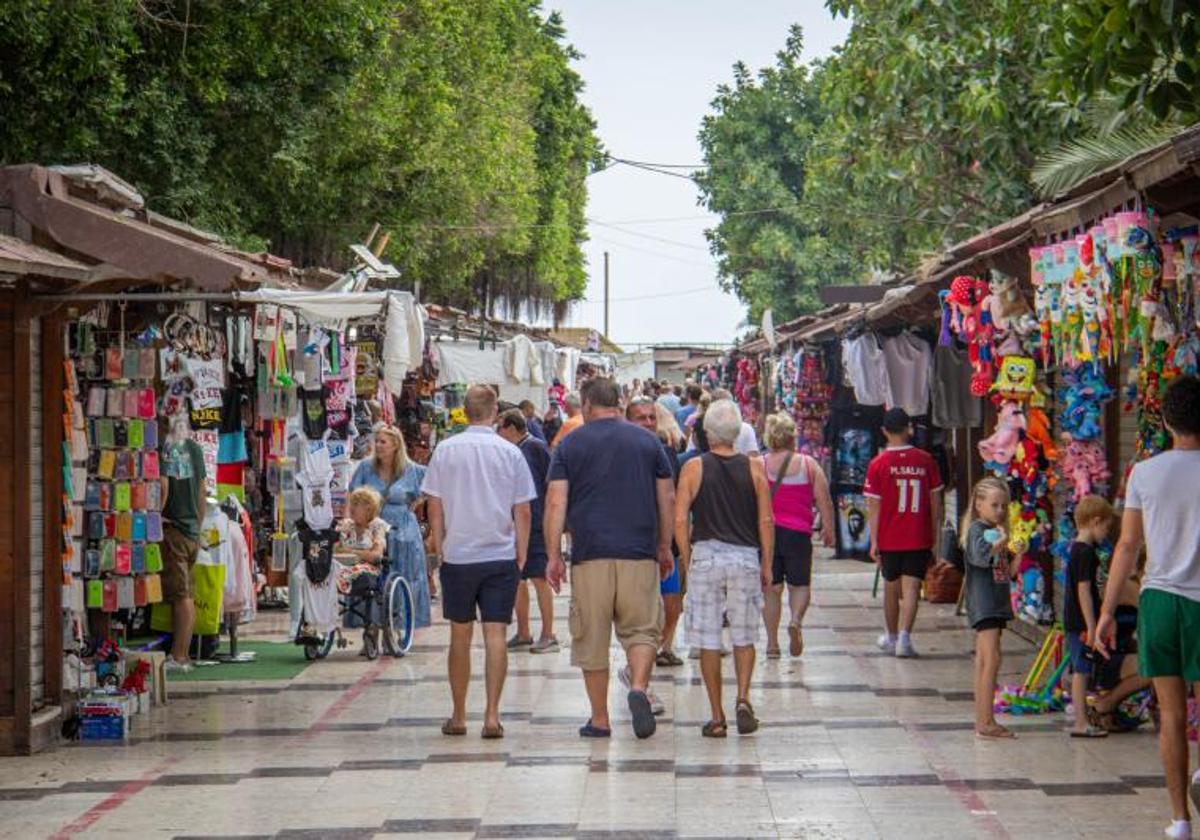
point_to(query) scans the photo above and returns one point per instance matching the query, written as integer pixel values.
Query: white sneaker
(905, 650)
(886, 644)
(657, 706)
(1179, 830)
(175, 666)
(545, 646)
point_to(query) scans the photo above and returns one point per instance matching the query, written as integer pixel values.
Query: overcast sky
(651, 68)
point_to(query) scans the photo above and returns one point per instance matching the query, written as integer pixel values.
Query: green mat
(272, 661)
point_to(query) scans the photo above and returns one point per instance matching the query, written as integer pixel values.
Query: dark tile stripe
(445, 826)
(526, 830)
(466, 758)
(1000, 784)
(382, 764)
(912, 780)
(625, 834)
(1087, 789)
(177, 779)
(548, 761)
(289, 772)
(691, 771)
(633, 765)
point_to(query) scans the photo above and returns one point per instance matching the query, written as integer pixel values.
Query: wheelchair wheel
(319, 650)
(398, 618)
(371, 645)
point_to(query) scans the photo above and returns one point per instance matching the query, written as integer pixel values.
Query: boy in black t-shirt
(1081, 607)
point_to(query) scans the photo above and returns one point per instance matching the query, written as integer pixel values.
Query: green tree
(294, 125)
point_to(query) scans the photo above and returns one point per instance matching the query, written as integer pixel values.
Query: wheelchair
(383, 604)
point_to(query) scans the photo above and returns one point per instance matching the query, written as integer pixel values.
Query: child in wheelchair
(361, 549)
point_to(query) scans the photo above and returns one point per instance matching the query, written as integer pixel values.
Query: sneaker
(885, 644)
(1179, 830)
(657, 706)
(905, 650)
(517, 643)
(173, 665)
(545, 646)
(1194, 789)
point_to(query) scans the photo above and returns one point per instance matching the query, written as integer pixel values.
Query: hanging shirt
(317, 499)
(312, 413)
(909, 364)
(337, 407)
(866, 370)
(903, 479)
(953, 407)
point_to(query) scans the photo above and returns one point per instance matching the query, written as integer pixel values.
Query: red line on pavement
(348, 696)
(112, 802)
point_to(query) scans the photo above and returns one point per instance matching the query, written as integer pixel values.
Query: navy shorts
(479, 591)
(1082, 657)
(535, 567)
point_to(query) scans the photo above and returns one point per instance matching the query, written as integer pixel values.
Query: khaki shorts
(179, 555)
(608, 593)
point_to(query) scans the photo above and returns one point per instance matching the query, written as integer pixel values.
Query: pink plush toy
(1084, 464)
(998, 450)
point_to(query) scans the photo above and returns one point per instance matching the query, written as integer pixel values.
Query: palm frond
(1075, 161)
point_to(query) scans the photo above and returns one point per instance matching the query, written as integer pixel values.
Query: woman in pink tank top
(797, 484)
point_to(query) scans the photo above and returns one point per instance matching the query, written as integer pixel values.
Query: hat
(896, 420)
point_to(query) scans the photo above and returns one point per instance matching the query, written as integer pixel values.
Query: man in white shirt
(1161, 510)
(479, 490)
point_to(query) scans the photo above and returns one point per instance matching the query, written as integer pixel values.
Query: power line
(649, 236)
(651, 252)
(693, 291)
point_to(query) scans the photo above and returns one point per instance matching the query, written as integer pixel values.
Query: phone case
(95, 594)
(120, 434)
(96, 401)
(133, 434)
(108, 463)
(110, 595)
(91, 563)
(110, 525)
(150, 435)
(123, 558)
(145, 404)
(138, 527)
(131, 403)
(122, 500)
(153, 557)
(137, 495)
(137, 561)
(153, 589)
(147, 359)
(91, 495)
(139, 591)
(121, 467)
(106, 496)
(95, 526)
(112, 363)
(150, 465)
(154, 529)
(153, 495)
(115, 403)
(131, 364)
(108, 555)
(124, 526)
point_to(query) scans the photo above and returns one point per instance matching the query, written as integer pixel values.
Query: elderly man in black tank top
(725, 533)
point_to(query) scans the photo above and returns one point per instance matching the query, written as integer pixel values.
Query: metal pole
(606, 294)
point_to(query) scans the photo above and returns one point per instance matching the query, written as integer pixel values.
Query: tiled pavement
(854, 745)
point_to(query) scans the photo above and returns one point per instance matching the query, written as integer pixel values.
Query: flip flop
(493, 734)
(715, 729)
(644, 723)
(997, 734)
(1090, 732)
(774, 653)
(589, 731)
(795, 639)
(449, 728)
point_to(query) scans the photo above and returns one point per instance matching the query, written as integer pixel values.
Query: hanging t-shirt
(866, 370)
(317, 550)
(909, 362)
(233, 399)
(953, 406)
(337, 407)
(903, 479)
(315, 460)
(317, 499)
(312, 412)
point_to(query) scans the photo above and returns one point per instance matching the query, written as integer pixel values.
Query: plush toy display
(966, 315)
(1012, 318)
(1016, 380)
(1085, 392)
(998, 450)
(1084, 465)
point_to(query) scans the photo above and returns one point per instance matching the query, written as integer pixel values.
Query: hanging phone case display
(112, 497)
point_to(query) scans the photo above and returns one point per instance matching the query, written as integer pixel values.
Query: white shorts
(723, 580)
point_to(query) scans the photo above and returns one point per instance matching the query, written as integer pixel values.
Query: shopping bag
(942, 584)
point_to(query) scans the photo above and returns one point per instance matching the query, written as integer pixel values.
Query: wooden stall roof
(21, 258)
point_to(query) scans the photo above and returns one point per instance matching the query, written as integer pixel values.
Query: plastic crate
(102, 728)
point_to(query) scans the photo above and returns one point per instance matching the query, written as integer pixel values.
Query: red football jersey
(904, 480)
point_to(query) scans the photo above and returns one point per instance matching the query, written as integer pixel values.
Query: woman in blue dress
(398, 481)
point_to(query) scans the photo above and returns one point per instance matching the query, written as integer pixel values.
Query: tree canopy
(922, 128)
(456, 124)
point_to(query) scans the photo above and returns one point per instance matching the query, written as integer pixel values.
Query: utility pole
(606, 294)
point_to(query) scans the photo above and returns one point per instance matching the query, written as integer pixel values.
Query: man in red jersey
(904, 504)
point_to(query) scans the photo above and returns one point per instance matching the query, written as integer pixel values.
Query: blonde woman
(398, 482)
(668, 430)
(797, 483)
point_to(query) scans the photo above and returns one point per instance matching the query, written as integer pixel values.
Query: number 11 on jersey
(909, 491)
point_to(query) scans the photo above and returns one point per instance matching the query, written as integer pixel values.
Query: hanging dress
(406, 546)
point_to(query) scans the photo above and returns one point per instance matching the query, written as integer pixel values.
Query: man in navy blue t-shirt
(610, 482)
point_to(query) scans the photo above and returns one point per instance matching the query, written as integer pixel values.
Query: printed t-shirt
(1082, 566)
(569, 425)
(312, 413)
(611, 468)
(1165, 488)
(479, 477)
(903, 479)
(183, 466)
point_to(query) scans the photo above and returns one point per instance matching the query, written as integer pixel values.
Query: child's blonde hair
(982, 487)
(365, 497)
(1092, 507)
